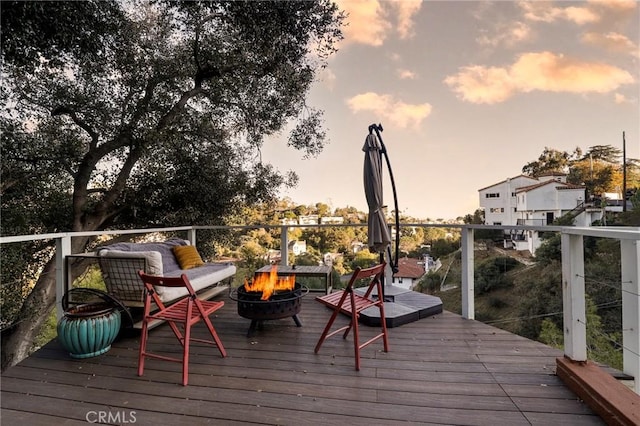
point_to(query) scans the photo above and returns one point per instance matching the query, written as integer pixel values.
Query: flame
(270, 282)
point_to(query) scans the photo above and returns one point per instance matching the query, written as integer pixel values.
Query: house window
(513, 194)
(515, 209)
(492, 195)
(501, 209)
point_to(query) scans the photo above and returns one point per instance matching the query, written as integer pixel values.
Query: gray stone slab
(425, 304)
(395, 314)
(401, 306)
(390, 291)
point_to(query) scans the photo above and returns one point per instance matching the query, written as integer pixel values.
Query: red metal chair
(186, 312)
(351, 303)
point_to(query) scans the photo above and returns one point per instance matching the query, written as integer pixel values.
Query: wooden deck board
(440, 370)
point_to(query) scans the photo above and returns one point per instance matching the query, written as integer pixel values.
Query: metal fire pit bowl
(282, 304)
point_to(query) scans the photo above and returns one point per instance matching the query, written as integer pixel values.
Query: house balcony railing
(573, 278)
(531, 222)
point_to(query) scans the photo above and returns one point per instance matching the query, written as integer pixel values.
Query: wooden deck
(440, 370)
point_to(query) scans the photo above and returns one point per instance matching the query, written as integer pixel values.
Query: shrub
(429, 283)
(490, 274)
(496, 302)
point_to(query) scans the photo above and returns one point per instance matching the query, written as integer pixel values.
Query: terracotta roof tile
(409, 268)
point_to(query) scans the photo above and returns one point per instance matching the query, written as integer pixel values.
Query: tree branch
(171, 115)
(64, 110)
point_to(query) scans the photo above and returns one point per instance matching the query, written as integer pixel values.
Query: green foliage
(443, 247)
(252, 257)
(329, 240)
(602, 346)
(542, 296)
(429, 283)
(33, 31)
(550, 334)
(364, 259)
(490, 275)
(550, 161)
(496, 302)
(476, 218)
(550, 250)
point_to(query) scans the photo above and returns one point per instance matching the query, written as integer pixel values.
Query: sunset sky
(467, 93)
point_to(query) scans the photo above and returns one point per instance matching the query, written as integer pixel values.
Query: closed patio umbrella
(379, 237)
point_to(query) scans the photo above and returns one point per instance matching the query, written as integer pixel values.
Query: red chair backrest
(374, 273)
(153, 280)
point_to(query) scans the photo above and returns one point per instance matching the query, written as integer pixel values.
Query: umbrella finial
(376, 127)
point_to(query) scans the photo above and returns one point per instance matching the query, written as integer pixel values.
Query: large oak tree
(151, 113)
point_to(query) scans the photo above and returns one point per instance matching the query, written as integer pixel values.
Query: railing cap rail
(619, 232)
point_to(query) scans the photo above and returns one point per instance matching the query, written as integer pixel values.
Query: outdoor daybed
(120, 263)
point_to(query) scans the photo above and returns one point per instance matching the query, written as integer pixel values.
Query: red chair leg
(214, 334)
(185, 354)
(143, 348)
(325, 332)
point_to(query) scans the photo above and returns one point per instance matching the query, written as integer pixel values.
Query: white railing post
(63, 249)
(468, 301)
(630, 259)
(284, 244)
(191, 236)
(573, 297)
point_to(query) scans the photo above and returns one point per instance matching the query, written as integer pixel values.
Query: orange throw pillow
(187, 257)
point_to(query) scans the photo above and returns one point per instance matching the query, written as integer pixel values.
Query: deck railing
(573, 279)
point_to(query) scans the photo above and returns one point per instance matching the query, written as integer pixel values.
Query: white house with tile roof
(523, 200)
(499, 200)
(409, 272)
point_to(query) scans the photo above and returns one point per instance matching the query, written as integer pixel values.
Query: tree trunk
(17, 340)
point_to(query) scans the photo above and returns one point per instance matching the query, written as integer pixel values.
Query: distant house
(499, 200)
(332, 219)
(357, 246)
(429, 263)
(298, 247)
(273, 256)
(523, 200)
(312, 219)
(329, 259)
(409, 272)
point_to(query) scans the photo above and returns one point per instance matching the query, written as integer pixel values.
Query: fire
(270, 282)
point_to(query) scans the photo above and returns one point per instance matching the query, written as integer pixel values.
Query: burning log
(269, 283)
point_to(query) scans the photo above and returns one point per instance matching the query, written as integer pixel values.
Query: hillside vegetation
(523, 296)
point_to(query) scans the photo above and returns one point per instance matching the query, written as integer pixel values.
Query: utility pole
(624, 174)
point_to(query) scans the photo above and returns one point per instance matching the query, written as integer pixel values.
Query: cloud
(406, 9)
(366, 22)
(543, 71)
(404, 74)
(538, 11)
(619, 98)
(482, 85)
(612, 41)
(617, 5)
(508, 35)
(370, 22)
(387, 107)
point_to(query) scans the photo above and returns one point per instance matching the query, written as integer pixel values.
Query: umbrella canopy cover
(378, 233)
